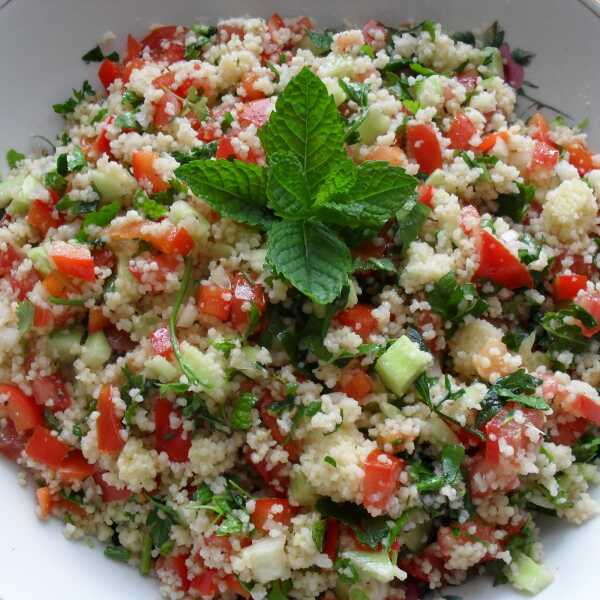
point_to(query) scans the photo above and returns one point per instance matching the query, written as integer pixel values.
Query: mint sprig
(310, 192)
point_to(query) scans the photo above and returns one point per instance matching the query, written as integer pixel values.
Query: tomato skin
(580, 157)
(587, 408)
(355, 382)
(590, 301)
(381, 479)
(255, 112)
(73, 260)
(244, 293)
(44, 448)
(545, 157)
(275, 509)
(42, 217)
(424, 147)
(51, 387)
(214, 301)
(42, 317)
(108, 424)
(233, 585)
(360, 319)
(134, 48)
(497, 264)
(108, 72)
(166, 109)
(109, 492)
(486, 478)
(205, 583)
(448, 538)
(540, 129)
(44, 500)
(566, 287)
(468, 79)
(568, 432)
(461, 131)
(175, 564)
(8, 258)
(75, 468)
(248, 82)
(426, 194)
(21, 409)
(375, 34)
(161, 342)
(11, 441)
(142, 162)
(225, 148)
(170, 440)
(273, 477)
(489, 141)
(166, 43)
(130, 66)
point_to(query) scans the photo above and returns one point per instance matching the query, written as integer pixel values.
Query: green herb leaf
(199, 153)
(411, 217)
(96, 55)
(562, 335)
(311, 257)
(357, 92)
(452, 458)
(306, 123)
(331, 461)
(127, 120)
(100, 218)
(56, 182)
(318, 533)
(288, 189)
(132, 99)
(241, 418)
(149, 207)
(321, 41)
(25, 314)
(76, 207)
(515, 205)
(373, 264)
(117, 553)
(100, 115)
(467, 37)
(13, 158)
(66, 301)
(346, 570)
(69, 105)
(493, 35)
(587, 448)
(421, 70)
(454, 301)
(522, 57)
(280, 590)
(235, 189)
(226, 121)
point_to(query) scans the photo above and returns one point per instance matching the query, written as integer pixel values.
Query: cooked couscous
(289, 313)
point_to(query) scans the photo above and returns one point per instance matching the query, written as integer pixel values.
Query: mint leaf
(340, 181)
(379, 192)
(515, 205)
(241, 417)
(25, 314)
(235, 189)
(454, 301)
(287, 187)
(321, 42)
(306, 122)
(311, 257)
(149, 207)
(101, 218)
(357, 92)
(373, 264)
(410, 219)
(13, 158)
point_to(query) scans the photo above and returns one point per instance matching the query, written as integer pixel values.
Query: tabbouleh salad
(290, 313)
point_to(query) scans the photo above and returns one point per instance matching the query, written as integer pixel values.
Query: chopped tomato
(225, 148)
(248, 84)
(161, 342)
(227, 31)
(166, 108)
(381, 478)
(214, 301)
(234, 586)
(489, 141)
(23, 283)
(355, 382)
(426, 194)
(134, 49)
(274, 509)
(166, 43)
(96, 319)
(205, 584)
(424, 147)
(42, 316)
(174, 240)
(101, 144)
(275, 22)
(540, 129)
(104, 257)
(269, 419)
(459, 534)
(246, 297)
(468, 79)
(109, 492)
(486, 478)
(156, 279)
(177, 566)
(170, 440)
(461, 131)
(12, 442)
(590, 301)
(51, 391)
(55, 284)
(21, 409)
(566, 287)
(8, 258)
(144, 171)
(108, 424)
(73, 260)
(360, 319)
(332, 538)
(545, 157)
(499, 265)
(119, 340)
(75, 468)
(46, 449)
(391, 154)
(108, 72)
(255, 112)
(130, 66)
(567, 429)
(272, 476)
(580, 157)
(586, 407)
(42, 216)
(507, 434)
(375, 34)
(44, 499)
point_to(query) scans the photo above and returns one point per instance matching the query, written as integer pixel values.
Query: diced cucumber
(389, 410)
(415, 539)
(334, 89)
(125, 283)
(65, 344)
(440, 432)
(40, 260)
(374, 125)
(9, 188)
(21, 200)
(357, 592)
(247, 362)
(373, 565)
(114, 185)
(158, 367)
(206, 370)
(401, 364)
(301, 490)
(266, 559)
(527, 575)
(181, 213)
(493, 62)
(96, 350)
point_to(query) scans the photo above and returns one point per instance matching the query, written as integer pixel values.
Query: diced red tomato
(166, 43)
(489, 141)
(506, 431)
(245, 296)
(55, 284)
(375, 34)
(425, 566)
(109, 492)
(8, 258)
(23, 283)
(360, 319)
(161, 342)
(424, 146)
(175, 240)
(277, 482)
(75, 468)
(381, 478)
(468, 79)
(130, 66)
(42, 316)
(108, 424)
(166, 264)
(540, 129)
(274, 509)
(461, 131)
(177, 566)
(21, 409)
(42, 216)
(205, 584)
(166, 108)
(499, 265)
(170, 440)
(545, 157)
(142, 162)
(101, 145)
(51, 389)
(108, 72)
(332, 538)
(585, 407)
(590, 301)
(104, 257)
(270, 420)
(355, 382)
(12, 442)
(459, 534)
(227, 31)
(44, 500)
(486, 478)
(580, 157)
(214, 301)
(134, 48)
(96, 319)
(567, 429)
(225, 148)
(426, 194)
(73, 260)
(566, 287)
(255, 112)
(248, 83)
(234, 586)
(46, 449)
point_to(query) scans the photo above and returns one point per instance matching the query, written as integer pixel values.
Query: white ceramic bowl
(41, 42)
